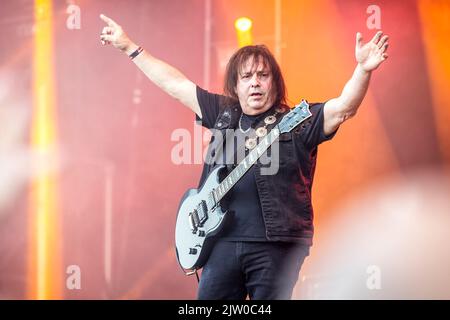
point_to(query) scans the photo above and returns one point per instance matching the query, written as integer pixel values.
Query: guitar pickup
(194, 221)
(202, 213)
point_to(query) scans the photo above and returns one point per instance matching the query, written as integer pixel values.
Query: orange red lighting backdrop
(115, 127)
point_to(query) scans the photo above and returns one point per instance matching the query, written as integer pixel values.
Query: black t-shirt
(247, 222)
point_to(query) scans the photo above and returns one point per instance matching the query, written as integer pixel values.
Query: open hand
(373, 53)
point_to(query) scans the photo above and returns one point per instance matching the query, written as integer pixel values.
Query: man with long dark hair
(260, 253)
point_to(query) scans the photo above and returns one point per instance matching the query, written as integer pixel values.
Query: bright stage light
(243, 24)
(44, 264)
(243, 27)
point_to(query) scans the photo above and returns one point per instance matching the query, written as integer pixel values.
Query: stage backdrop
(102, 226)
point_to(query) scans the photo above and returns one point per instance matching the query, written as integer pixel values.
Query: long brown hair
(258, 53)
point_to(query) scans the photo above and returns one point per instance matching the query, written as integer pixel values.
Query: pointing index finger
(108, 20)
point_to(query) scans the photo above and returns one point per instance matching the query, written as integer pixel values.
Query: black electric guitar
(200, 216)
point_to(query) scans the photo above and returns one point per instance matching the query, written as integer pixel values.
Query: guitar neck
(234, 176)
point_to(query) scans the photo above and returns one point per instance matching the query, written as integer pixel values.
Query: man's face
(254, 87)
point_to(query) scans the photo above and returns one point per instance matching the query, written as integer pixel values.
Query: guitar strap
(228, 118)
(260, 130)
(230, 134)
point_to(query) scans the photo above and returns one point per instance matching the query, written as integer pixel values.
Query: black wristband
(136, 53)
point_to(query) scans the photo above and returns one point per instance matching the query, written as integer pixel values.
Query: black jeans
(262, 270)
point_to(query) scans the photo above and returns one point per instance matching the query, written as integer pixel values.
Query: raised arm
(368, 57)
(163, 75)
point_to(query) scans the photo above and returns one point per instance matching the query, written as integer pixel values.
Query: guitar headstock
(296, 116)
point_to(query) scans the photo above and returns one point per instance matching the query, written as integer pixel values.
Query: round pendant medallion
(270, 120)
(261, 132)
(250, 143)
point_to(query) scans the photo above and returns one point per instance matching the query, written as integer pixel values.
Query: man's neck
(255, 113)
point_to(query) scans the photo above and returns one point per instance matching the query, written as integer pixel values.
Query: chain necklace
(240, 126)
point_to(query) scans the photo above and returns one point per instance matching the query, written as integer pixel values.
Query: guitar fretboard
(245, 165)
